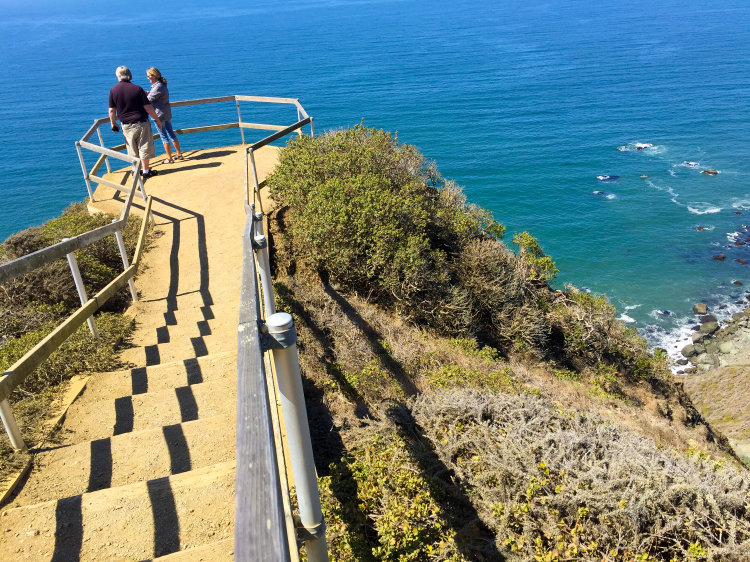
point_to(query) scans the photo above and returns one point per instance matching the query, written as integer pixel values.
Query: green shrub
(52, 283)
(542, 265)
(80, 353)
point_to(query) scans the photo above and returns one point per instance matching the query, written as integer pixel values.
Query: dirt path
(144, 463)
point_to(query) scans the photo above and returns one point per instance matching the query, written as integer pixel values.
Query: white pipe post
(101, 141)
(286, 361)
(247, 185)
(312, 128)
(255, 178)
(81, 290)
(239, 120)
(143, 190)
(125, 262)
(85, 172)
(264, 271)
(11, 427)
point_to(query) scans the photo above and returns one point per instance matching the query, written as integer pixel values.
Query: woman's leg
(177, 147)
(168, 150)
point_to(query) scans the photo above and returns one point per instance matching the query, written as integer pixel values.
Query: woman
(159, 98)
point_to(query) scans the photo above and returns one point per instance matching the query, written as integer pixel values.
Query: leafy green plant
(542, 265)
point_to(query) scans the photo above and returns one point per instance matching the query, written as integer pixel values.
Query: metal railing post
(101, 141)
(85, 172)
(125, 262)
(239, 121)
(11, 427)
(81, 290)
(281, 328)
(264, 271)
(255, 172)
(143, 189)
(312, 128)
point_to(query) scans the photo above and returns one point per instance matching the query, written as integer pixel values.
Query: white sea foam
(690, 164)
(672, 173)
(703, 208)
(668, 190)
(632, 307)
(661, 313)
(741, 204)
(611, 196)
(625, 318)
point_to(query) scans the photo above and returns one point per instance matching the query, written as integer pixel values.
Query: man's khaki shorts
(139, 139)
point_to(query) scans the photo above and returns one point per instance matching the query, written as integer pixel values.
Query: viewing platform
(144, 464)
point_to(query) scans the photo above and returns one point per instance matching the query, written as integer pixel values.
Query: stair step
(155, 314)
(174, 374)
(128, 458)
(150, 335)
(220, 551)
(91, 420)
(134, 522)
(183, 302)
(158, 354)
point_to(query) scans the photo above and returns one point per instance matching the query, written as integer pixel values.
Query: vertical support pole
(85, 172)
(286, 361)
(255, 179)
(11, 427)
(299, 118)
(264, 271)
(247, 184)
(143, 190)
(312, 128)
(101, 142)
(81, 290)
(125, 262)
(239, 120)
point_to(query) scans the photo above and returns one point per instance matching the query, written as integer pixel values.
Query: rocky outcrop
(713, 346)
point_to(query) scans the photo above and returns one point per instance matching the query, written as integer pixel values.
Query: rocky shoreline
(717, 344)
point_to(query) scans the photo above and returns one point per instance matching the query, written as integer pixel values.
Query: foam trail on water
(703, 208)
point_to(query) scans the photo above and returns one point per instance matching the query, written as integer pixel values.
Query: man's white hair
(123, 73)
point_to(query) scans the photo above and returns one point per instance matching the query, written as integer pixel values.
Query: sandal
(179, 157)
(168, 161)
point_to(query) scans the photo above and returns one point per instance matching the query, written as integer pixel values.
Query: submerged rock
(743, 261)
(737, 282)
(708, 318)
(710, 172)
(719, 257)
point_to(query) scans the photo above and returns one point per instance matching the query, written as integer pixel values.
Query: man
(129, 103)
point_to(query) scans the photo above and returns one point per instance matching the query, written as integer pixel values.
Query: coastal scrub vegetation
(463, 409)
(32, 305)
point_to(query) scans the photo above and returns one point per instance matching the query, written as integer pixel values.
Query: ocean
(537, 108)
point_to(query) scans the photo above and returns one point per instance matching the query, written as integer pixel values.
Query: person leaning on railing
(159, 98)
(129, 103)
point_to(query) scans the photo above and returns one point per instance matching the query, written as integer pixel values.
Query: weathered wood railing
(22, 368)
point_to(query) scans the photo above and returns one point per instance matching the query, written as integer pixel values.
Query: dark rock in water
(722, 307)
(743, 261)
(739, 302)
(680, 372)
(665, 313)
(661, 349)
(700, 308)
(747, 297)
(700, 228)
(682, 361)
(708, 318)
(719, 257)
(747, 239)
(737, 282)
(696, 327)
(689, 351)
(709, 327)
(737, 213)
(710, 172)
(739, 243)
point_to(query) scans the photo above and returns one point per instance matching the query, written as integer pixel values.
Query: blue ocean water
(522, 103)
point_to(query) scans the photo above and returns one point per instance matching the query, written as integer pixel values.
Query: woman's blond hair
(156, 74)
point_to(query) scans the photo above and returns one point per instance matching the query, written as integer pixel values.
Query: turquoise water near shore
(522, 103)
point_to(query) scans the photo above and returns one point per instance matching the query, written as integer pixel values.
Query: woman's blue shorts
(166, 132)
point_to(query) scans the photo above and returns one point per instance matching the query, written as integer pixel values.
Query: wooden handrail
(18, 372)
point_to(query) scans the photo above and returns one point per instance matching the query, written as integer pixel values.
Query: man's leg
(144, 163)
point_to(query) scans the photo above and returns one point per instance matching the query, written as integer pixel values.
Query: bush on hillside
(375, 217)
(25, 301)
(493, 475)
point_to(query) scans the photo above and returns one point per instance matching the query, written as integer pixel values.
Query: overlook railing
(267, 362)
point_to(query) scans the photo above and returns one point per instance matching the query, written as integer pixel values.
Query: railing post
(239, 120)
(125, 263)
(81, 290)
(264, 270)
(255, 172)
(281, 328)
(143, 189)
(312, 128)
(11, 427)
(85, 172)
(101, 141)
